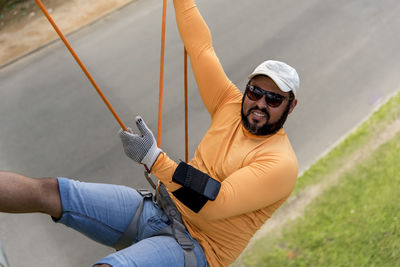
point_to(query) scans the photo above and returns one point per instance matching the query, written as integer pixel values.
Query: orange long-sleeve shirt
(257, 173)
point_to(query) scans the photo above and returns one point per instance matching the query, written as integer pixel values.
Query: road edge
(68, 33)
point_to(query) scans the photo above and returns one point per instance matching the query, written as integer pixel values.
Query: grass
(354, 223)
(12, 11)
(9, 4)
(369, 130)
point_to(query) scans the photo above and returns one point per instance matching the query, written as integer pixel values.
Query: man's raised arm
(214, 86)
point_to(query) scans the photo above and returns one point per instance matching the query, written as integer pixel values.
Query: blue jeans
(102, 212)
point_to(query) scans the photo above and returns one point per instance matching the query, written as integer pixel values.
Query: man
(242, 171)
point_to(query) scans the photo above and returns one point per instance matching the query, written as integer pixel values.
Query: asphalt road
(54, 124)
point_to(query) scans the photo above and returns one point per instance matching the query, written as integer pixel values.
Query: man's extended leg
(160, 251)
(152, 249)
(21, 194)
(100, 211)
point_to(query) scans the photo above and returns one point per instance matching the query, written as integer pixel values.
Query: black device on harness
(197, 188)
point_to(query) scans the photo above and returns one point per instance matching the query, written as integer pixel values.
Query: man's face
(257, 116)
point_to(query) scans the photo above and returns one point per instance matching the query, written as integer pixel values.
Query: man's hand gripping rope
(140, 148)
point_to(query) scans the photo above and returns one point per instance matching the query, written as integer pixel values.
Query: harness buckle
(180, 236)
(185, 243)
(145, 193)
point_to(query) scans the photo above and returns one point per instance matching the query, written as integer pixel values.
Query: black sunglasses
(255, 93)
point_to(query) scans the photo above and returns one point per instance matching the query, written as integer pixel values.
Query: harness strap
(177, 231)
(129, 236)
(177, 228)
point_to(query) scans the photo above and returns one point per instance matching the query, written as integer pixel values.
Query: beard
(267, 128)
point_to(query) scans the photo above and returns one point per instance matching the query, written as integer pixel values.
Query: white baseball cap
(284, 76)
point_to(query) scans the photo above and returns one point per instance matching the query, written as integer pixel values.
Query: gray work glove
(141, 148)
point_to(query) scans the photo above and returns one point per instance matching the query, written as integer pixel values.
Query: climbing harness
(177, 228)
(130, 234)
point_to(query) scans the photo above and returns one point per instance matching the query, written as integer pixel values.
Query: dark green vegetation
(7, 5)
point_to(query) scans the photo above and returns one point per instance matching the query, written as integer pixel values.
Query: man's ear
(292, 105)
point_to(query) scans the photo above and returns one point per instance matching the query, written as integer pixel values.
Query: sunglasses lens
(273, 100)
(253, 93)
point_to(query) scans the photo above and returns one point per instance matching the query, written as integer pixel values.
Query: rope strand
(161, 85)
(160, 93)
(186, 108)
(40, 4)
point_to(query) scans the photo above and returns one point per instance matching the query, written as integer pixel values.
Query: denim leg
(100, 211)
(160, 251)
(153, 250)
(103, 211)
(153, 220)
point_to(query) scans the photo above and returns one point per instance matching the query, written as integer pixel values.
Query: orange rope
(186, 109)
(40, 4)
(160, 93)
(160, 103)
(161, 87)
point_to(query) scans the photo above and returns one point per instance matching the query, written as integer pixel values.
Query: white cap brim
(283, 86)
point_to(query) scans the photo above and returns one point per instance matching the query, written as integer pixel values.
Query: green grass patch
(354, 223)
(366, 132)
